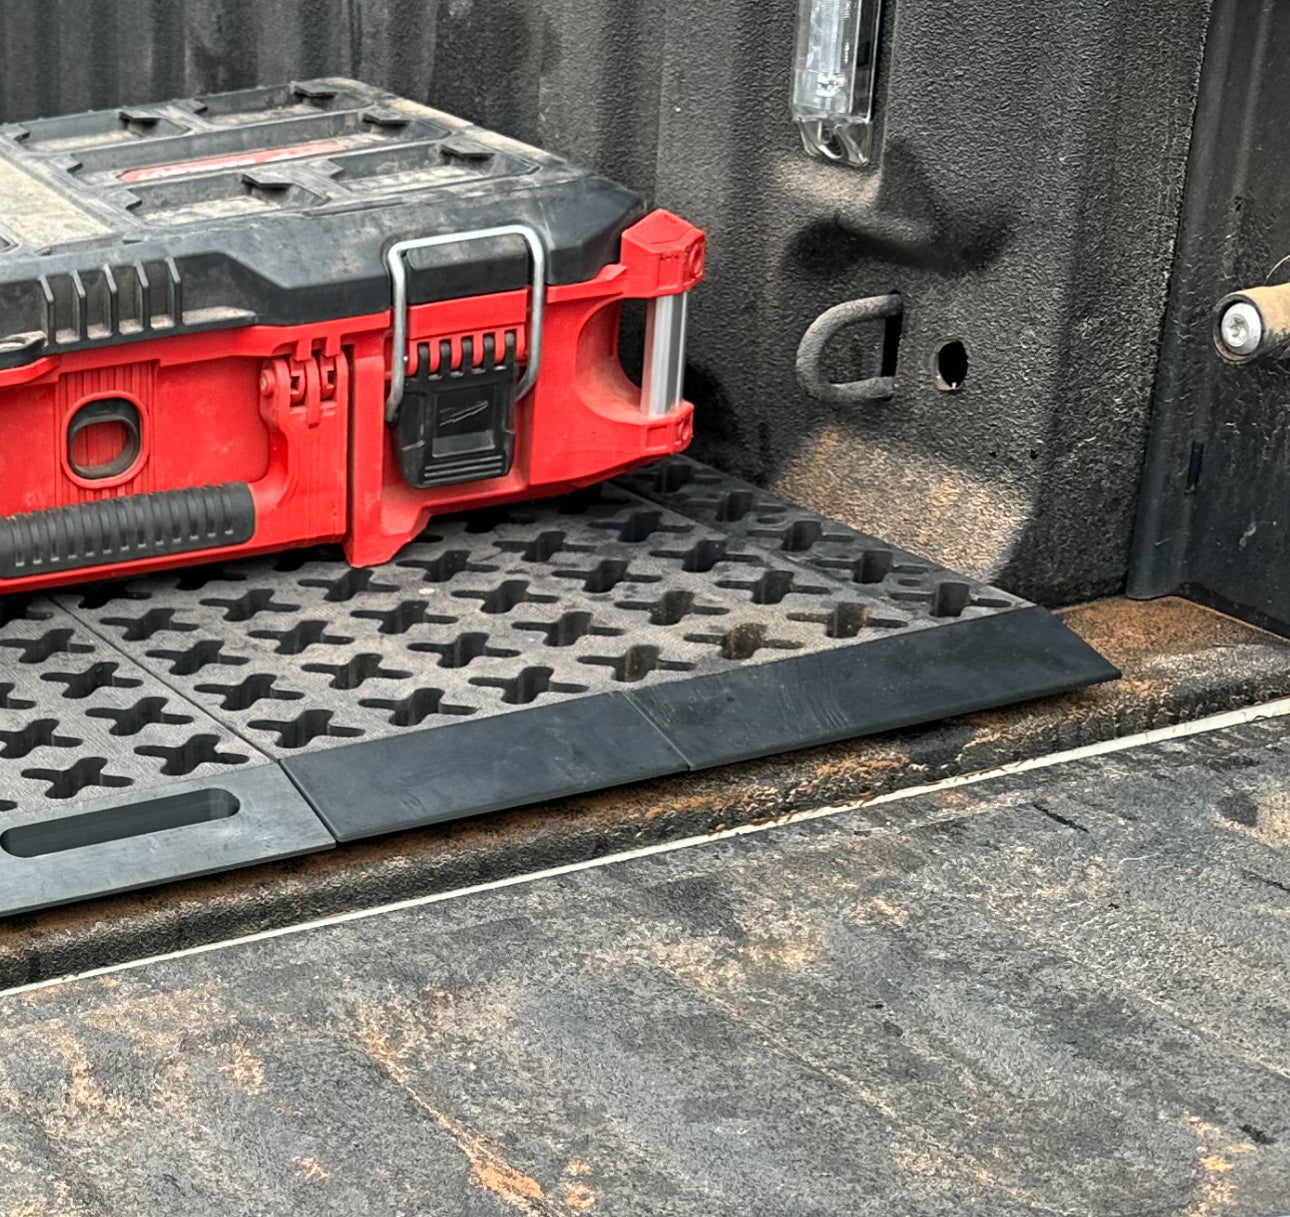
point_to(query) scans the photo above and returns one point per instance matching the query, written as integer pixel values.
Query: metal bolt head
(1241, 328)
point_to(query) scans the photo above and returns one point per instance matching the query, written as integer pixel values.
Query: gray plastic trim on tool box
(673, 620)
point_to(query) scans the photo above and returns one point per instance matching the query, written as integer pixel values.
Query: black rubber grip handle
(126, 529)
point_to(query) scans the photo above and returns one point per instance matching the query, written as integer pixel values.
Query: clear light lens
(833, 76)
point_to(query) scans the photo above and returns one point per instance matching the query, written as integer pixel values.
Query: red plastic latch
(674, 247)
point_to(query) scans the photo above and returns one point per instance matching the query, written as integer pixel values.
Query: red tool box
(310, 313)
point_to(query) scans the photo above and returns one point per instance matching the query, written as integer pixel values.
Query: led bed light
(834, 65)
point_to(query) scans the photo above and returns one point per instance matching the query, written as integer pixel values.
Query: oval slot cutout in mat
(118, 823)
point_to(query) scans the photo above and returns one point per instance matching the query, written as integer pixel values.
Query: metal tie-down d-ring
(810, 352)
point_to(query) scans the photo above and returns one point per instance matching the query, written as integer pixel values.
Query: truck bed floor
(1057, 992)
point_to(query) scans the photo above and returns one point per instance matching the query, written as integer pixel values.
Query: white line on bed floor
(1200, 726)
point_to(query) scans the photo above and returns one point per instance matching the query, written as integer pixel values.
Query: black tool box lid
(271, 205)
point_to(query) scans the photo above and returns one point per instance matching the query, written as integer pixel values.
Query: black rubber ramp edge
(126, 529)
(878, 686)
(585, 744)
(445, 773)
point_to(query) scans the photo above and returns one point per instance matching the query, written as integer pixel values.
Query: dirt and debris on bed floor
(1060, 992)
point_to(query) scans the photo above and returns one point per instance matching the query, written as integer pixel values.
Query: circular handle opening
(104, 438)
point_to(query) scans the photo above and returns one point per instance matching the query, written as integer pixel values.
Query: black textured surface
(675, 573)
(1025, 201)
(512, 656)
(1055, 993)
(79, 720)
(123, 529)
(1212, 522)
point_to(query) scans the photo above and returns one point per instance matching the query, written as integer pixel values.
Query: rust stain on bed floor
(391, 1035)
(243, 1069)
(311, 1170)
(1218, 1154)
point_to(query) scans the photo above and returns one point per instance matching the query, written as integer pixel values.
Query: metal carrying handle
(810, 352)
(396, 260)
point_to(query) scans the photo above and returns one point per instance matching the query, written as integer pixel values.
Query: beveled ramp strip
(426, 777)
(874, 687)
(586, 744)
